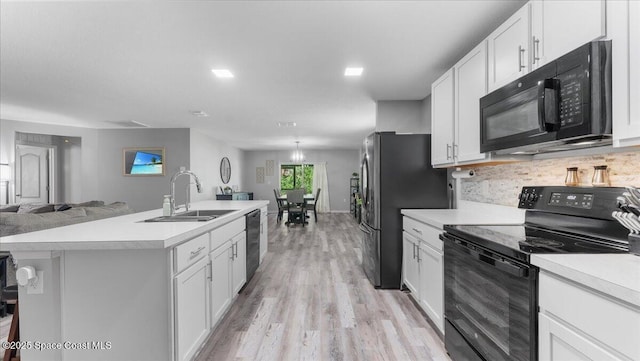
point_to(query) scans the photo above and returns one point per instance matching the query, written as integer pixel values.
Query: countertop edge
(578, 271)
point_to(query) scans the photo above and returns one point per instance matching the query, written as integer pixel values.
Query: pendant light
(297, 155)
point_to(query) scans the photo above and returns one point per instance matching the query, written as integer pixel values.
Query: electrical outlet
(36, 287)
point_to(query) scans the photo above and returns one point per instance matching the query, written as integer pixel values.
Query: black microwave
(565, 104)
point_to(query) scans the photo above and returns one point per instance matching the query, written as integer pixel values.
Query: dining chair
(281, 205)
(314, 204)
(296, 207)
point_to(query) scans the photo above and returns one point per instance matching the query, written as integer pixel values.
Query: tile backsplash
(501, 184)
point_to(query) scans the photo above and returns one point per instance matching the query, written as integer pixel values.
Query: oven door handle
(550, 104)
(501, 264)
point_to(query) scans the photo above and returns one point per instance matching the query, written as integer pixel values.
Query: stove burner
(541, 242)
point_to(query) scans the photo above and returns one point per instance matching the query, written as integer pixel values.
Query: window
(294, 176)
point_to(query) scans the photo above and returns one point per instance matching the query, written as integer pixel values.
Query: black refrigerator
(396, 173)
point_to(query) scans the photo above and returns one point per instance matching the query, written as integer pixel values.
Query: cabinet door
(264, 237)
(624, 30)
(410, 263)
(239, 271)
(432, 284)
(508, 50)
(220, 281)
(559, 26)
(559, 343)
(471, 85)
(191, 309)
(442, 120)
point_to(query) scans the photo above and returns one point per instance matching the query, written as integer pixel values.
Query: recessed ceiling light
(286, 124)
(222, 73)
(198, 113)
(353, 71)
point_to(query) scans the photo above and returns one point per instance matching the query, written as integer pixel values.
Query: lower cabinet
(191, 309)
(238, 262)
(221, 295)
(580, 323)
(423, 268)
(264, 233)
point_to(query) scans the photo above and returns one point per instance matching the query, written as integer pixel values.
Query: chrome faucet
(174, 208)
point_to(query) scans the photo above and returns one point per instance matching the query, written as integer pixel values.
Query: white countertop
(467, 213)
(617, 275)
(128, 231)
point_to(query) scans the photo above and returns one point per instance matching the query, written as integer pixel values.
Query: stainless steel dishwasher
(253, 242)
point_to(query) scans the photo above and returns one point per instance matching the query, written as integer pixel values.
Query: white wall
(404, 116)
(340, 165)
(206, 154)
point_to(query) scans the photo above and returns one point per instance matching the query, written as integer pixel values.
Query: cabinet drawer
(426, 233)
(606, 319)
(190, 252)
(226, 232)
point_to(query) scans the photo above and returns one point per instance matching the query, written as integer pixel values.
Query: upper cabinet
(509, 49)
(470, 76)
(455, 104)
(442, 120)
(623, 18)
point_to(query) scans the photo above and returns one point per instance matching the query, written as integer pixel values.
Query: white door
(32, 174)
(239, 272)
(220, 281)
(432, 284)
(410, 263)
(471, 85)
(624, 25)
(508, 50)
(442, 108)
(191, 309)
(559, 343)
(554, 34)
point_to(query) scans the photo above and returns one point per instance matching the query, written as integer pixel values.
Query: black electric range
(490, 284)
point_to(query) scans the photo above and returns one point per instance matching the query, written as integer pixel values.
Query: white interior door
(32, 174)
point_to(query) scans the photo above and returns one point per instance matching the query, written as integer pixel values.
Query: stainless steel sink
(199, 215)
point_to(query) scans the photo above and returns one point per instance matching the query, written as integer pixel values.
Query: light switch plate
(37, 288)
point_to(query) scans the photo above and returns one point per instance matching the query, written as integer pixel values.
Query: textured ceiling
(89, 63)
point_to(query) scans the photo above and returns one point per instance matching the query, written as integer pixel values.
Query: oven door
(490, 304)
(521, 113)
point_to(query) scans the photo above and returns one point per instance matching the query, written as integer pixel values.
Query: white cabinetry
(559, 26)
(579, 323)
(442, 120)
(221, 295)
(238, 262)
(624, 30)
(410, 268)
(508, 49)
(455, 111)
(264, 233)
(423, 271)
(191, 309)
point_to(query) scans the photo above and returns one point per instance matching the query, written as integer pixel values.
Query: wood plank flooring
(310, 300)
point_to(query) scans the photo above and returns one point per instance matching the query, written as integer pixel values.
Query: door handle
(520, 58)
(548, 104)
(448, 151)
(536, 50)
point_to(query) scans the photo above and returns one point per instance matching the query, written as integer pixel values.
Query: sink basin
(207, 212)
(200, 215)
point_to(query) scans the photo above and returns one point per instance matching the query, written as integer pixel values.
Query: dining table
(307, 197)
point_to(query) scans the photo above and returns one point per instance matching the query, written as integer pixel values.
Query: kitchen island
(124, 289)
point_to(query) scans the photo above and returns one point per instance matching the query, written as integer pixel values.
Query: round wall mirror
(225, 170)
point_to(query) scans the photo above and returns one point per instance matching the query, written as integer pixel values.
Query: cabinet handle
(418, 253)
(455, 151)
(418, 231)
(520, 58)
(536, 50)
(414, 251)
(448, 151)
(196, 252)
(210, 273)
(235, 250)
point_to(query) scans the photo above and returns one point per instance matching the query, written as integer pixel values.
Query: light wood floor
(310, 300)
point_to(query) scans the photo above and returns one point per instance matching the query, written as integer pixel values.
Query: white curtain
(320, 181)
